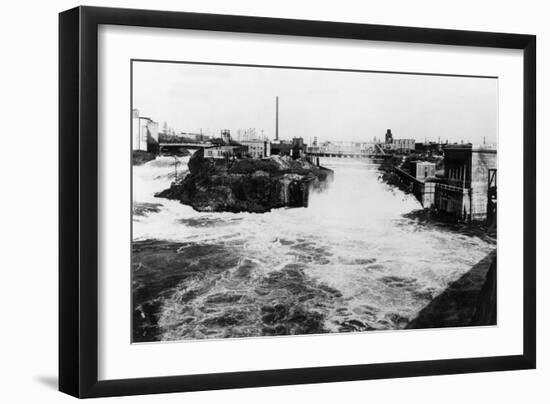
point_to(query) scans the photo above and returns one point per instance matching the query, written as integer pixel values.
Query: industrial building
(295, 148)
(222, 152)
(429, 147)
(145, 133)
(299, 148)
(469, 191)
(422, 170)
(281, 147)
(257, 148)
(398, 145)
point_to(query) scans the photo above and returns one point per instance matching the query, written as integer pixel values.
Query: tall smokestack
(277, 117)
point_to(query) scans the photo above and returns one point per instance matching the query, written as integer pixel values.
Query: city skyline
(329, 105)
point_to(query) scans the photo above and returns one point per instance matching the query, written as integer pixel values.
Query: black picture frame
(78, 201)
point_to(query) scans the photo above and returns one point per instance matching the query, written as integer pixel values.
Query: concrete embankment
(469, 301)
(397, 177)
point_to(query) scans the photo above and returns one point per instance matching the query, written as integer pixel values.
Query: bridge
(375, 151)
(342, 154)
(167, 147)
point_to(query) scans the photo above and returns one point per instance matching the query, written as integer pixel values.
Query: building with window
(402, 145)
(398, 145)
(145, 132)
(222, 152)
(422, 170)
(257, 149)
(467, 190)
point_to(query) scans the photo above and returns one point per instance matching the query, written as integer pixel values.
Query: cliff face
(246, 185)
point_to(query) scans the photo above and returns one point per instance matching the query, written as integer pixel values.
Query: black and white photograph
(250, 202)
(278, 201)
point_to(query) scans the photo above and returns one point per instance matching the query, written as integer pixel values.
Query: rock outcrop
(140, 157)
(247, 185)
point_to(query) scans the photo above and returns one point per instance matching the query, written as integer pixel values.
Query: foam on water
(352, 238)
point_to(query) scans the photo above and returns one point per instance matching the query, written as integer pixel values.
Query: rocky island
(247, 185)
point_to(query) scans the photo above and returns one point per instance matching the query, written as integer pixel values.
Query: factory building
(469, 191)
(398, 145)
(257, 148)
(145, 133)
(422, 170)
(222, 152)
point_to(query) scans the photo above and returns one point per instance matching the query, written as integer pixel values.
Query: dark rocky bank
(469, 301)
(431, 218)
(140, 157)
(247, 185)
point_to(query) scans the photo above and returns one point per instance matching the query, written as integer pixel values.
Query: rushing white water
(352, 238)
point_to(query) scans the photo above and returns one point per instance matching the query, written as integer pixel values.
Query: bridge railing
(346, 154)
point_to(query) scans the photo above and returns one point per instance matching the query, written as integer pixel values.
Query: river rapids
(353, 260)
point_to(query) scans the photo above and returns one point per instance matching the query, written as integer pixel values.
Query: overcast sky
(332, 105)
